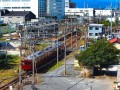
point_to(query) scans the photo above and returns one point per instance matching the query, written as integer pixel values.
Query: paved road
(55, 80)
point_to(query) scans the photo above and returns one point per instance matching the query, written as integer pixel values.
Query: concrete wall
(15, 19)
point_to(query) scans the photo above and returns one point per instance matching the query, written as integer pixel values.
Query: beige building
(16, 16)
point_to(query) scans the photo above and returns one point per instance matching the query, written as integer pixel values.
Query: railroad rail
(68, 42)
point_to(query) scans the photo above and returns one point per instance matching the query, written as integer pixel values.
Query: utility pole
(20, 79)
(65, 47)
(71, 33)
(111, 20)
(76, 32)
(57, 45)
(6, 49)
(33, 68)
(33, 60)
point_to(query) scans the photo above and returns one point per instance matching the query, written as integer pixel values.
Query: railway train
(43, 56)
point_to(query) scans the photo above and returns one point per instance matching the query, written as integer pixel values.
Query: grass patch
(60, 63)
(7, 29)
(2, 39)
(8, 69)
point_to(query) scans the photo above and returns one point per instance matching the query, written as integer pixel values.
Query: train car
(41, 57)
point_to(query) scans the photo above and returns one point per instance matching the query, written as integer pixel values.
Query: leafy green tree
(99, 53)
(10, 59)
(107, 23)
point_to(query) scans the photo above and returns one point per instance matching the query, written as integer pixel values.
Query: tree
(99, 53)
(107, 23)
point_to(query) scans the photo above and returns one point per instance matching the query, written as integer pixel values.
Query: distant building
(56, 8)
(118, 5)
(103, 12)
(67, 3)
(17, 16)
(95, 31)
(20, 5)
(41, 8)
(72, 5)
(3, 12)
(116, 42)
(79, 11)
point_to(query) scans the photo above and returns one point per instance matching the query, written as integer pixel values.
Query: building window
(10, 17)
(81, 10)
(90, 34)
(25, 7)
(86, 10)
(96, 28)
(15, 0)
(18, 17)
(96, 34)
(90, 28)
(7, 7)
(15, 7)
(6, 0)
(25, 0)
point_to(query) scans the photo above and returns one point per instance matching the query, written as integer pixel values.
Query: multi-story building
(118, 5)
(56, 8)
(103, 12)
(20, 5)
(16, 16)
(95, 31)
(80, 11)
(72, 5)
(41, 8)
(67, 3)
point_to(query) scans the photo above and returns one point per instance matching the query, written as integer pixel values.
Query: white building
(95, 30)
(67, 3)
(103, 12)
(79, 11)
(20, 5)
(56, 8)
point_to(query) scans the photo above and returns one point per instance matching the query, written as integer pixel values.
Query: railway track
(70, 43)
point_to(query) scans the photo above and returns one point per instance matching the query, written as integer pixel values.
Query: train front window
(26, 63)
